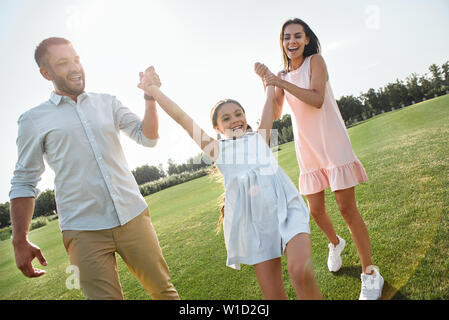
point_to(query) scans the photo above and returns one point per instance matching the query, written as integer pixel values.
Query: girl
(264, 213)
(323, 148)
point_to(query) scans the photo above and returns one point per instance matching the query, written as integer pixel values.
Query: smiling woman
(297, 39)
(324, 152)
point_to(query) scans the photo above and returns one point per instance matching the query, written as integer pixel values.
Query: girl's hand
(260, 69)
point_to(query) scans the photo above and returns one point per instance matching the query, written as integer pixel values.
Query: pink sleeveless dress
(323, 149)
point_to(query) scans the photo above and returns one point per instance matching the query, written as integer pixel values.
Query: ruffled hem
(338, 178)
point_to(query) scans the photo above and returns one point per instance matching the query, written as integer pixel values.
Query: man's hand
(25, 252)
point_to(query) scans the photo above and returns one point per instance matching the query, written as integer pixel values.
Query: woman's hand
(271, 79)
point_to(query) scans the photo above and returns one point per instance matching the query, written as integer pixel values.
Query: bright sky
(204, 50)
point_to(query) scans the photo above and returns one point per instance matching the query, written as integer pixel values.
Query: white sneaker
(334, 260)
(371, 285)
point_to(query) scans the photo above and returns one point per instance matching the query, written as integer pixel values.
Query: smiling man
(101, 211)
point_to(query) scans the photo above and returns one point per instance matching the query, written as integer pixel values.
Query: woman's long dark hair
(312, 48)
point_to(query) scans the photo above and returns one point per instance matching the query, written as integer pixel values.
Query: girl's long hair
(312, 48)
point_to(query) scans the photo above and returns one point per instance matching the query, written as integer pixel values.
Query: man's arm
(145, 131)
(21, 213)
(29, 168)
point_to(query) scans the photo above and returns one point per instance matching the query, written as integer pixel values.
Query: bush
(158, 185)
(4, 215)
(5, 233)
(38, 222)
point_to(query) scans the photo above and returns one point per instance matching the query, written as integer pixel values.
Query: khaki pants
(93, 252)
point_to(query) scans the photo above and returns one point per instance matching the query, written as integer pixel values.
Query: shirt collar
(57, 99)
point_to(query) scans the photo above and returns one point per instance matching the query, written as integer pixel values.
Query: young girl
(323, 148)
(264, 214)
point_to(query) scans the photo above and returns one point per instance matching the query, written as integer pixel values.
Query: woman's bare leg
(359, 233)
(318, 212)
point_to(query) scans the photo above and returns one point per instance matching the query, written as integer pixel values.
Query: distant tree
(287, 134)
(413, 88)
(147, 173)
(372, 101)
(445, 72)
(437, 79)
(426, 86)
(278, 127)
(172, 167)
(397, 94)
(351, 108)
(5, 219)
(45, 204)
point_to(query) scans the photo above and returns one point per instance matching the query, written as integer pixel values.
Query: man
(101, 210)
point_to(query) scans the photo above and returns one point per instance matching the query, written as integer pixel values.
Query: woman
(323, 148)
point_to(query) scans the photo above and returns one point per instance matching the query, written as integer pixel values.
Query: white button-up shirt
(80, 141)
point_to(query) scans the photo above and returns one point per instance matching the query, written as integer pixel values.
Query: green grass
(404, 204)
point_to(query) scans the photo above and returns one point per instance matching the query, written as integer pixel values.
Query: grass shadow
(350, 271)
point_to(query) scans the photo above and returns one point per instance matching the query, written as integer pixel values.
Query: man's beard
(65, 86)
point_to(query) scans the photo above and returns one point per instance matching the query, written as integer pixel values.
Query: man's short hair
(42, 48)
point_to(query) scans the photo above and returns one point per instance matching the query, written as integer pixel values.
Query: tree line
(392, 96)
(396, 95)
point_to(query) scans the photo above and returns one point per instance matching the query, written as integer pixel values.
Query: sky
(204, 51)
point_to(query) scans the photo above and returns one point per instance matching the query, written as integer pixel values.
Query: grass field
(404, 204)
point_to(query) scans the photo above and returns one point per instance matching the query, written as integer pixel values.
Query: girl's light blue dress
(263, 208)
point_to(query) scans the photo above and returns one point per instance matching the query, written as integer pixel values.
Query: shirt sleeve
(130, 124)
(30, 163)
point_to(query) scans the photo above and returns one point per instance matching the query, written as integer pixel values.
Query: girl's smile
(231, 121)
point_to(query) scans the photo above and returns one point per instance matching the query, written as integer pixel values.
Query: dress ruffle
(337, 178)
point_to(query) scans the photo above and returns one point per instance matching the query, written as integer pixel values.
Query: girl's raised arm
(265, 74)
(266, 121)
(149, 83)
(278, 101)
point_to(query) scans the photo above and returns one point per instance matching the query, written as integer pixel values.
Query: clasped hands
(268, 78)
(149, 79)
